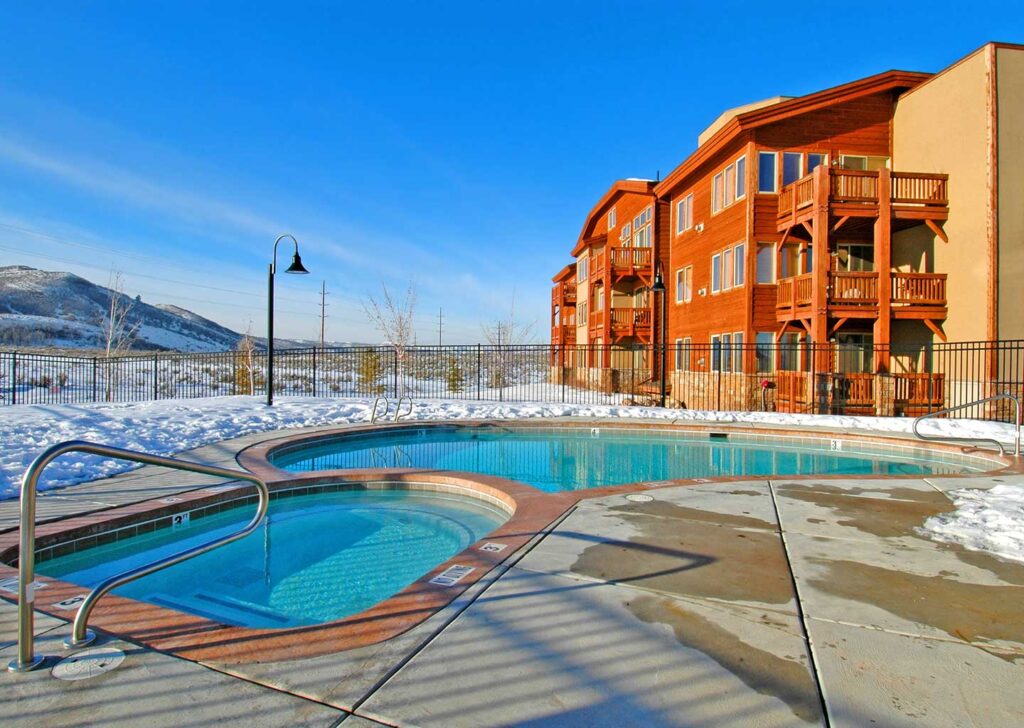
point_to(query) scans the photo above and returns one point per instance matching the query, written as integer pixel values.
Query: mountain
(46, 308)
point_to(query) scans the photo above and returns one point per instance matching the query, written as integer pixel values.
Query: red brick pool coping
(532, 511)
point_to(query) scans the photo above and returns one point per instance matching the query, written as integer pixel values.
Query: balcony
(855, 294)
(852, 193)
(631, 321)
(564, 334)
(563, 294)
(615, 263)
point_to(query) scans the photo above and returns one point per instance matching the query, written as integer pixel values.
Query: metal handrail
(398, 409)
(993, 398)
(81, 635)
(373, 412)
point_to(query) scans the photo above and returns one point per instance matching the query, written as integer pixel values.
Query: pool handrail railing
(81, 635)
(975, 403)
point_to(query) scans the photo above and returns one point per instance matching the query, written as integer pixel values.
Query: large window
(764, 344)
(582, 268)
(765, 262)
(684, 214)
(729, 185)
(682, 354)
(642, 229)
(767, 172)
(815, 160)
(611, 218)
(855, 257)
(728, 268)
(792, 167)
(684, 284)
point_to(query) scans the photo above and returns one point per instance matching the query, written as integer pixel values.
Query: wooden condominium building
(879, 217)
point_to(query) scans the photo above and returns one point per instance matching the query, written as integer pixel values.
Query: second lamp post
(295, 267)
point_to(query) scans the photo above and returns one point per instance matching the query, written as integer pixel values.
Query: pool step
(220, 608)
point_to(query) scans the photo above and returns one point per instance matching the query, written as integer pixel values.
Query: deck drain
(639, 498)
(88, 664)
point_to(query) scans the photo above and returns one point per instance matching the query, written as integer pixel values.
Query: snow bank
(172, 426)
(984, 520)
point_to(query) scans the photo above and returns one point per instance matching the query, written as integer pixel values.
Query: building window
(582, 267)
(625, 233)
(611, 218)
(727, 269)
(642, 229)
(684, 284)
(716, 352)
(716, 273)
(726, 357)
(581, 314)
(792, 167)
(683, 354)
(684, 214)
(767, 172)
(739, 264)
(727, 187)
(737, 357)
(765, 262)
(855, 257)
(763, 345)
(815, 160)
(599, 303)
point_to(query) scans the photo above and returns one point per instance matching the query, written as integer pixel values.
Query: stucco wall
(1010, 147)
(942, 126)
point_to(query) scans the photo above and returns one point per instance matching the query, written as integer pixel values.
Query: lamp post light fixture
(658, 288)
(295, 267)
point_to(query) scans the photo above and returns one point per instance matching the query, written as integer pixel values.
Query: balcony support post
(883, 264)
(821, 265)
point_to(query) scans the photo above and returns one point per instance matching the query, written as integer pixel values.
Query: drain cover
(639, 498)
(88, 663)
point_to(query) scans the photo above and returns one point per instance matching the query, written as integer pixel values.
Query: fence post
(156, 367)
(394, 360)
(479, 363)
(95, 369)
(14, 377)
(314, 372)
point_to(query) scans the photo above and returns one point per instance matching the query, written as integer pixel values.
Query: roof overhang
(621, 187)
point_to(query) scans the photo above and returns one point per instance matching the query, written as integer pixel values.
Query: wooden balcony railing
(912, 188)
(851, 288)
(569, 293)
(631, 259)
(851, 186)
(631, 319)
(919, 289)
(795, 292)
(597, 319)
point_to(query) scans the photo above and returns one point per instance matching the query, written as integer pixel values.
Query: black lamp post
(295, 267)
(658, 288)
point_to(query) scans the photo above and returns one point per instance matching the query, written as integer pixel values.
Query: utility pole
(323, 310)
(440, 322)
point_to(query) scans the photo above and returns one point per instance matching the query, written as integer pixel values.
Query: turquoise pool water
(318, 558)
(559, 459)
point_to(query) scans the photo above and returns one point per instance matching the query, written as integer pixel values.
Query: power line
(323, 310)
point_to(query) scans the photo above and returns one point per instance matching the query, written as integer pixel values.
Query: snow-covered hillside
(44, 308)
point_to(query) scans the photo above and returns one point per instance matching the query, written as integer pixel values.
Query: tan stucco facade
(1010, 147)
(943, 126)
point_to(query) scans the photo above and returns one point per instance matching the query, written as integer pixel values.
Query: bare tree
(245, 369)
(118, 331)
(502, 335)
(394, 319)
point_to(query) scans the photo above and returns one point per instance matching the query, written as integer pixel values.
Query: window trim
(612, 219)
(684, 284)
(739, 263)
(684, 214)
(773, 274)
(716, 262)
(775, 172)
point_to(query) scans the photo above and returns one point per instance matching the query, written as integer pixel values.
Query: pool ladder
(948, 438)
(374, 415)
(81, 635)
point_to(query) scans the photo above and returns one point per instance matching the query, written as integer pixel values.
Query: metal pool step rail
(375, 415)
(81, 635)
(975, 403)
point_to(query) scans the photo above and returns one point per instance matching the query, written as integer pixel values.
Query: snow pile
(172, 426)
(984, 520)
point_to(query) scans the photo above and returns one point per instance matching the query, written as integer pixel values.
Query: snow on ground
(985, 520)
(167, 427)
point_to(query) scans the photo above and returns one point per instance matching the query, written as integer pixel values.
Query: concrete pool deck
(761, 602)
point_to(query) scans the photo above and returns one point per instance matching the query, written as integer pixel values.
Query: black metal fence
(904, 380)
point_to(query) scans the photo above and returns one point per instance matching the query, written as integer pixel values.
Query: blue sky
(459, 145)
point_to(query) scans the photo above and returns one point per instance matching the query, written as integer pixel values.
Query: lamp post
(295, 267)
(658, 288)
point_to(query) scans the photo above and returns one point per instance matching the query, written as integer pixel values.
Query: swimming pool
(576, 458)
(317, 558)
